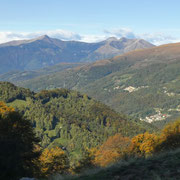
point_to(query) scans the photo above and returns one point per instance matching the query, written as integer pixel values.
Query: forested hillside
(143, 156)
(68, 119)
(143, 83)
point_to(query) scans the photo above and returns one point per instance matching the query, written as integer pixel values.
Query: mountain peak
(112, 39)
(43, 37)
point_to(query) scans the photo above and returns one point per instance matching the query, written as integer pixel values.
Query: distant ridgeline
(45, 51)
(68, 119)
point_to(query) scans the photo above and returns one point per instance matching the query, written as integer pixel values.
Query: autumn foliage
(4, 109)
(147, 144)
(143, 144)
(53, 161)
(112, 150)
(170, 137)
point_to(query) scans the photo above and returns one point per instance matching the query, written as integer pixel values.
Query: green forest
(68, 119)
(60, 134)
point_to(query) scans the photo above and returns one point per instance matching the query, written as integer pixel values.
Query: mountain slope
(86, 74)
(14, 76)
(141, 83)
(45, 51)
(68, 119)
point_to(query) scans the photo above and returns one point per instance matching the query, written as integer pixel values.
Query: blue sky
(91, 20)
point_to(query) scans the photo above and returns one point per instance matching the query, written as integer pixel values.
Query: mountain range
(141, 83)
(45, 51)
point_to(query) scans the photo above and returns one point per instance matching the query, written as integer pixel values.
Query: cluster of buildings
(157, 117)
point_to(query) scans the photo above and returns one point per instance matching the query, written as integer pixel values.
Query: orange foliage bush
(5, 109)
(143, 144)
(112, 150)
(146, 144)
(170, 137)
(53, 161)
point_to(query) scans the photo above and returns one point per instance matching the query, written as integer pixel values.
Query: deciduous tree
(53, 161)
(112, 150)
(17, 145)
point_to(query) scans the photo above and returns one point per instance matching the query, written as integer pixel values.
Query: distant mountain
(141, 83)
(45, 51)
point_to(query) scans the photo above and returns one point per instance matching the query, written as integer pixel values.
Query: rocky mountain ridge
(45, 51)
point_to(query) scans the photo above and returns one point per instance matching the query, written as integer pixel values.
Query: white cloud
(121, 32)
(158, 38)
(93, 38)
(60, 34)
(155, 38)
(63, 34)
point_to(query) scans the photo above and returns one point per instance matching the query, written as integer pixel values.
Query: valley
(90, 90)
(136, 83)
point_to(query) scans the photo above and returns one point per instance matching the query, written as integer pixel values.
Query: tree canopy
(17, 142)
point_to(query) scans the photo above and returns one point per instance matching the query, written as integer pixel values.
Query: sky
(156, 21)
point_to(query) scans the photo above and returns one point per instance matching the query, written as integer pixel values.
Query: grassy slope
(165, 166)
